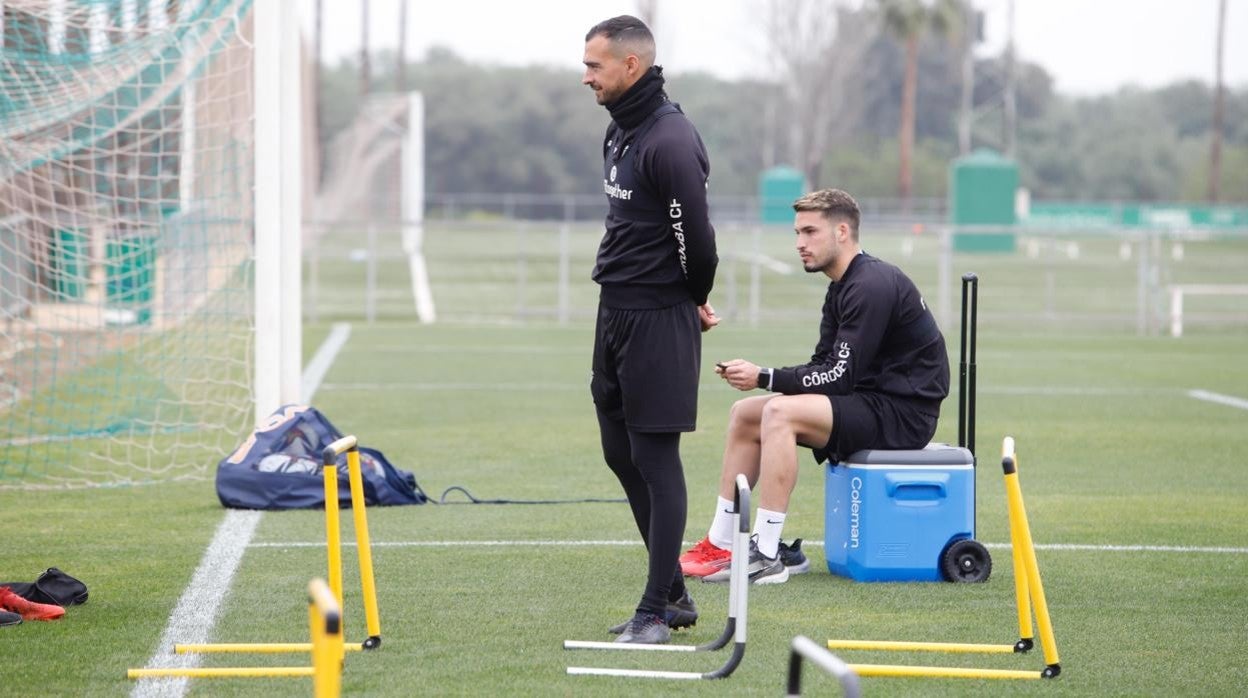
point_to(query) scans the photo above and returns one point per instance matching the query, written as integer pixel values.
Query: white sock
(721, 527)
(768, 526)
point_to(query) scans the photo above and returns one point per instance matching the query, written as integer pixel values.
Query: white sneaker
(761, 569)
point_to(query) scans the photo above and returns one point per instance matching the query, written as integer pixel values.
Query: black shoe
(7, 618)
(793, 557)
(645, 629)
(682, 613)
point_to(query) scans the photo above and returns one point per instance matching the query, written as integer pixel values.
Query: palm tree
(817, 54)
(908, 21)
(366, 72)
(1219, 91)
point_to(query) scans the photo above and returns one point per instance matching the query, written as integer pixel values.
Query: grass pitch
(477, 599)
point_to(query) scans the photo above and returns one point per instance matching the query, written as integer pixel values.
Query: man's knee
(777, 417)
(743, 417)
(804, 419)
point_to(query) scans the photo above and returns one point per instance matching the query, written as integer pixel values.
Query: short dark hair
(626, 31)
(834, 204)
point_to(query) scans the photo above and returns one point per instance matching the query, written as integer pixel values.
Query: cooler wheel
(966, 560)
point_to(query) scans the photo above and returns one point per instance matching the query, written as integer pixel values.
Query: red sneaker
(29, 610)
(704, 558)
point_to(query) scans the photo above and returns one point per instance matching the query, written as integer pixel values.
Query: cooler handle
(916, 490)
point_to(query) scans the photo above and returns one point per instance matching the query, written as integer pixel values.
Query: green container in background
(778, 188)
(132, 276)
(71, 263)
(982, 186)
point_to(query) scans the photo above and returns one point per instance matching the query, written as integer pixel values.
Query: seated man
(876, 380)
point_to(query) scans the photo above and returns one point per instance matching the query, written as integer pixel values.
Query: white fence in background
(1178, 292)
(488, 269)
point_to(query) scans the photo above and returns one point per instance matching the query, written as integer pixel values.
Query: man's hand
(708, 317)
(739, 373)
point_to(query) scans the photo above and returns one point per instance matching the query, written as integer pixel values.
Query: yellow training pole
(333, 539)
(364, 549)
(1028, 590)
(964, 647)
(1022, 594)
(325, 630)
(333, 523)
(1015, 493)
(254, 647)
(936, 671)
(220, 672)
(332, 536)
(325, 626)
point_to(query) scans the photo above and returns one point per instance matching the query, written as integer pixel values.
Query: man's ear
(633, 63)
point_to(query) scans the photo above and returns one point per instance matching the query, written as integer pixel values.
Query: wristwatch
(764, 378)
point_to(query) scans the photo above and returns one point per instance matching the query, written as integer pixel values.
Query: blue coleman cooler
(904, 516)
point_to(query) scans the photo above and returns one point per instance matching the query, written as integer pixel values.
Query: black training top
(659, 246)
(877, 335)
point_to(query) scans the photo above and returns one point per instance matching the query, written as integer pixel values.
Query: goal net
(126, 302)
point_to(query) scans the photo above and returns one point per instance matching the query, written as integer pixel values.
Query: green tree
(493, 129)
(908, 21)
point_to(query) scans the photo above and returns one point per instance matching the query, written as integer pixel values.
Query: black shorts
(646, 366)
(875, 420)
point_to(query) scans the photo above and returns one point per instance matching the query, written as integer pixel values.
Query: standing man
(876, 380)
(656, 264)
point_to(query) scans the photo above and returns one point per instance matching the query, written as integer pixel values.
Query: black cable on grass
(475, 500)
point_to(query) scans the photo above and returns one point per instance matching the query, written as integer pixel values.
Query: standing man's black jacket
(877, 335)
(659, 246)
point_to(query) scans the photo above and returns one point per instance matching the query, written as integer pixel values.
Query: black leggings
(648, 466)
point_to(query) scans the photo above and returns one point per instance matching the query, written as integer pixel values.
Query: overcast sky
(1089, 46)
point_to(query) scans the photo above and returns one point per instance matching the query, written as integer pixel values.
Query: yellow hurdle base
(920, 646)
(256, 647)
(946, 672)
(221, 672)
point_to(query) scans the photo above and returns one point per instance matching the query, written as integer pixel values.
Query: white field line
(463, 387)
(196, 613)
(1219, 398)
(316, 369)
(503, 386)
(492, 350)
(815, 543)
(768, 263)
(195, 616)
(1063, 390)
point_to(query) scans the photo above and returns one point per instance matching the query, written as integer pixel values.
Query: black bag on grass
(279, 467)
(53, 586)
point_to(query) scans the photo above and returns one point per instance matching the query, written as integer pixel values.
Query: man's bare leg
(742, 446)
(741, 453)
(788, 420)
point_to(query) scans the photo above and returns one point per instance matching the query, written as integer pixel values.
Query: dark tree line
(537, 130)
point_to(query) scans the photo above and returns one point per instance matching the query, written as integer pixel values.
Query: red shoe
(704, 558)
(29, 610)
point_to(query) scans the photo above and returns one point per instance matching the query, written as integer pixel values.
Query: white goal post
(279, 202)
